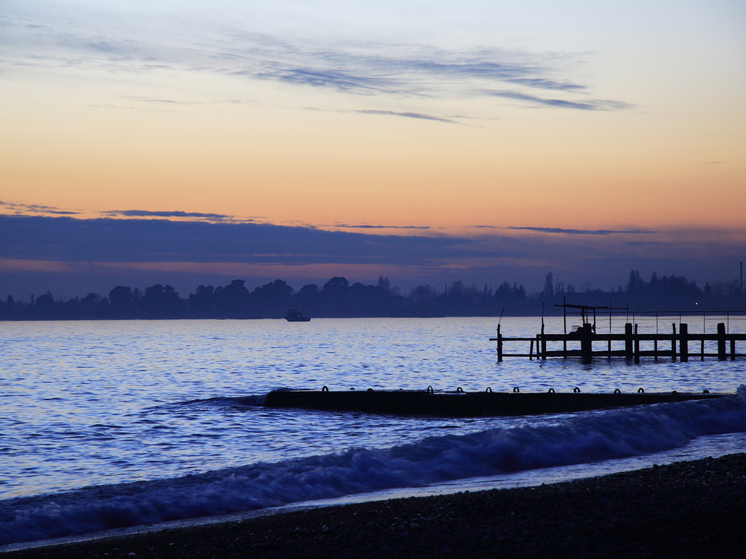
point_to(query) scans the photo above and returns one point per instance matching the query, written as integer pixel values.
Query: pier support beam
(684, 342)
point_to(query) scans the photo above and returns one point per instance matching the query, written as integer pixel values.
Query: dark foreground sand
(687, 509)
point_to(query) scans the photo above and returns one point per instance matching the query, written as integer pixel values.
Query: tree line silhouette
(337, 298)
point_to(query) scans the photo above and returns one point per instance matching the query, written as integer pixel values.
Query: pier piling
(684, 342)
(637, 346)
(721, 342)
(499, 345)
(628, 340)
(586, 343)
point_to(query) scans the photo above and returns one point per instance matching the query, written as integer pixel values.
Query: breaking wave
(581, 438)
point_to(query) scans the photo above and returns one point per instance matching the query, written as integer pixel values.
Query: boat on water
(295, 315)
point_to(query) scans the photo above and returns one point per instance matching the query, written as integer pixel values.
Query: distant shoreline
(685, 509)
(337, 298)
(533, 314)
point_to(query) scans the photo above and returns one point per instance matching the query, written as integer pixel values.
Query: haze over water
(110, 403)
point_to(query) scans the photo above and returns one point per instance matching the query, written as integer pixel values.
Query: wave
(250, 401)
(580, 438)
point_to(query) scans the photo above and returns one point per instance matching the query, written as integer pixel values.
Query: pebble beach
(685, 509)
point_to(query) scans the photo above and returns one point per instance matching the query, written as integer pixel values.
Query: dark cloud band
(130, 247)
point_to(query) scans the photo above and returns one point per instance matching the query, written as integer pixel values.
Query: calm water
(173, 405)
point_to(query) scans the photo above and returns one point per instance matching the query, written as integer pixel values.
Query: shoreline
(684, 509)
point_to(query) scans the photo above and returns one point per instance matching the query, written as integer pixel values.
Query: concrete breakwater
(465, 404)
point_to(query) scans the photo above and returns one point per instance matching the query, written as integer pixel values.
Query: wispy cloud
(19, 209)
(542, 83)
(35, 209)
(583, 105)
(363, 68)
(407, 115)
(174, 213)
(164, 101)
(367, 226)
(597, 232)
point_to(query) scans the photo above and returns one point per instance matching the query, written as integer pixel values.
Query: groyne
(466, 404)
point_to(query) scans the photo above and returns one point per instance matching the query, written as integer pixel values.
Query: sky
(485, 141)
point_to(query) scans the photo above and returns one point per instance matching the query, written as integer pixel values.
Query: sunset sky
(475, 140)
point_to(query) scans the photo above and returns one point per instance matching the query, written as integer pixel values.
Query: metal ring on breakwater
(459, 389)
(705, 391)
(641, 390)
(551, 391)
(370, 390)
(325, 388)
(576, 390)
(430, 390)
(516, 390)
(489, 390)
(617, 391)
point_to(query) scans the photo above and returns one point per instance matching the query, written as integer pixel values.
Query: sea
(114, 424)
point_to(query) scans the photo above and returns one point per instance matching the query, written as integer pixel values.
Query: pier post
(543, 344)
(683, 342)
(564, 320)
(721, 341)
(531, 350)
(499, 345)
(586, 343)
(673, 343)
(704, 331)
(628, 340)
(637, 346)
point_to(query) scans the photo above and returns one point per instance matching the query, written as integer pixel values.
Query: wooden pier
(589, 344)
